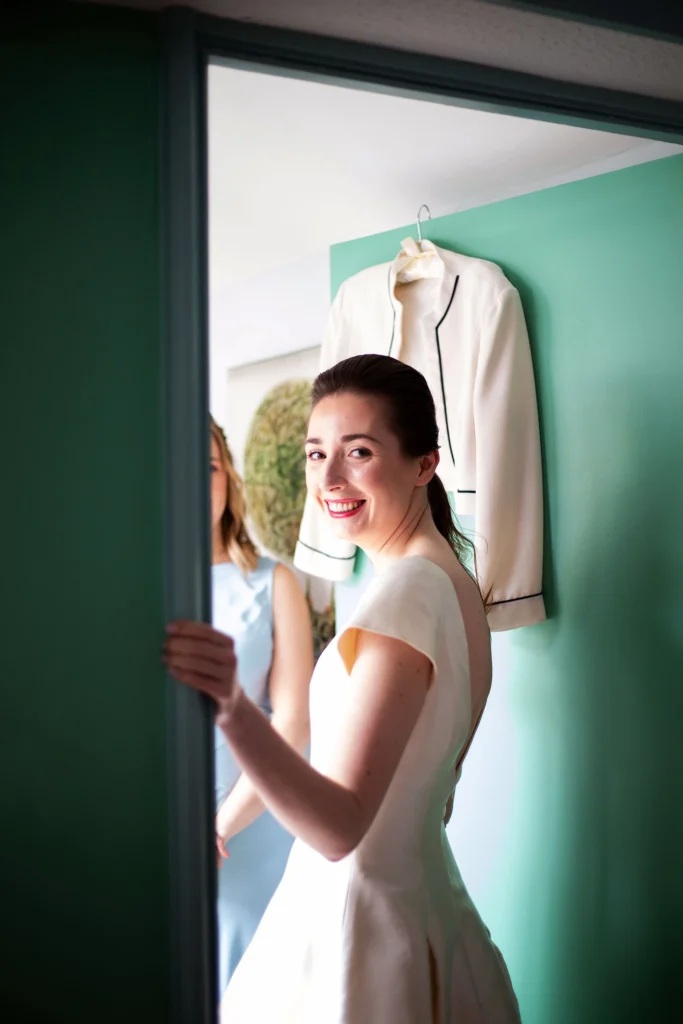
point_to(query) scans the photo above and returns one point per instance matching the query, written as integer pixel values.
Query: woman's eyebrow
(360, 437)
(345, 438)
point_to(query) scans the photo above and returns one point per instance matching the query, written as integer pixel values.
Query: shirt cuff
(512, 614)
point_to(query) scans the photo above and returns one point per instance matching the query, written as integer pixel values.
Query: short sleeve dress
(388, 934)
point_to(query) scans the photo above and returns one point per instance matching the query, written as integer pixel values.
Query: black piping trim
(464, 492)
(393, 311)
(337, 558)
(510, 600)
(438, 351)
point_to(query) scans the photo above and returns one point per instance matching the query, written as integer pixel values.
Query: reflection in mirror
(356, 888)
(259, 604)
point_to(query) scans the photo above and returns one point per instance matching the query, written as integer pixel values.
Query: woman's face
(355, 471)
(219, 484)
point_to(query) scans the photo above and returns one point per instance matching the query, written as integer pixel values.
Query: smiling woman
(402, 423)
(371, 920)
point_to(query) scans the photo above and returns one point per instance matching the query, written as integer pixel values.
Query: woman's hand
(223, 834)
(221, 849)
(199, 656)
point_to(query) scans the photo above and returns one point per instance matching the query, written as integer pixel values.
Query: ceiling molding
(478, 86)
(479, 31)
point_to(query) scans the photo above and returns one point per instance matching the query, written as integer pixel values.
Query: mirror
(315, 193)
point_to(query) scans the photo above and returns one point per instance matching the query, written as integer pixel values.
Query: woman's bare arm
(330, 811)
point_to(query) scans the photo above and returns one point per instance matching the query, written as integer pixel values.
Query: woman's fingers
(190, 647)
(199, 631)
(221, 674)
(199, 656)
(208, 657)
(197, 682)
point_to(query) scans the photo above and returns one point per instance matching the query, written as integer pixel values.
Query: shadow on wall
(604, 885)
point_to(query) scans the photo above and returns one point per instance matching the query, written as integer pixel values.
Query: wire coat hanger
(419, 220)
(415, 262)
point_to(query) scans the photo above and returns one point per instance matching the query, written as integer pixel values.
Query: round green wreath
(275, 481)
(275, 466)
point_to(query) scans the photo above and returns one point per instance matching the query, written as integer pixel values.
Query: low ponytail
(442, 514)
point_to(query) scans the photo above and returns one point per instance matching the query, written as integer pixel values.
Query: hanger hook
(419, 220)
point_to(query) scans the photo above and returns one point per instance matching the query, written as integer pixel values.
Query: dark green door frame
(190, 42)
(187, 535)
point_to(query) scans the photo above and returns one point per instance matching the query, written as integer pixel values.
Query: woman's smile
(339, 509)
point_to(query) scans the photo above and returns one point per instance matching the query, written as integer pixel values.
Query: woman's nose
(332, 477)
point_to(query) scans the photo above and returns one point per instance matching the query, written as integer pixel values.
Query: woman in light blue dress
(260, 604)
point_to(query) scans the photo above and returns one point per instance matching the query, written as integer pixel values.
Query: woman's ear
(428, 467)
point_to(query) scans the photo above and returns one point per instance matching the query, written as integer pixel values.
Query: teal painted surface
(84, 832)
(585, 892)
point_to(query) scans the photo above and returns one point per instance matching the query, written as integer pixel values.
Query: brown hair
(236, 540)
(412, 418)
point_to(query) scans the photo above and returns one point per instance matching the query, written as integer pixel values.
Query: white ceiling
(474, 30)
(296, 166)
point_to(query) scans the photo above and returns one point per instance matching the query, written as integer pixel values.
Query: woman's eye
(360, 453)
(315, 456)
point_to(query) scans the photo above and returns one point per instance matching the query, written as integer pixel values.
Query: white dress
(389, 934)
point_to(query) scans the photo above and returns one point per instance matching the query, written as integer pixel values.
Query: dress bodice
(388, 933)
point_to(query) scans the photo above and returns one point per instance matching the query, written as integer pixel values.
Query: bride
(371, 923)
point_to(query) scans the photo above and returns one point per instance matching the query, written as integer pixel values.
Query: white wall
(247, 386)
(276, 313)
(265, 313)
(331, 164)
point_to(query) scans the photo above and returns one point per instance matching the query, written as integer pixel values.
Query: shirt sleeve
(509, 498)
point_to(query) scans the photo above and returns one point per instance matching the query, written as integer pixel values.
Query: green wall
(587, 893)
(83, 859)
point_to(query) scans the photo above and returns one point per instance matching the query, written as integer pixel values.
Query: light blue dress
(243, 608)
